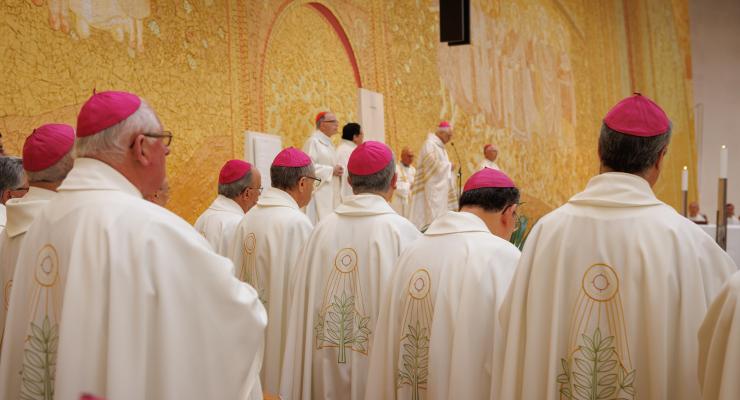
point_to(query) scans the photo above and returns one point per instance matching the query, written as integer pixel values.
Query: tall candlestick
(723, 162)
(685, 179)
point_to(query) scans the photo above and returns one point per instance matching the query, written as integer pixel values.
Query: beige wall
(536, 81)
(715, 44)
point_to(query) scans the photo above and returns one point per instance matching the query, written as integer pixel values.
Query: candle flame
(685, 168)
(724, 147)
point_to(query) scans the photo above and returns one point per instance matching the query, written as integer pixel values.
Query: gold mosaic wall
(536, 80)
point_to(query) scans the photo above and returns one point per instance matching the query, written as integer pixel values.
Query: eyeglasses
(166, 137)
(330, 121)
(251, 188)
(316, 181)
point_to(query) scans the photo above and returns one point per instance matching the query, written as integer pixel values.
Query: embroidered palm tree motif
(342, 321)
(598, 366)
(248, 271)
(40, 348)
(413, 364)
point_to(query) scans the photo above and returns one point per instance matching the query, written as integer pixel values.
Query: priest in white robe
(13, 183)
(266, 247)
(352, 136)
(324, 157)
(433, 193)
(438, 323)
(719, 345)
(406, 172)
(239, 188)
(612, 287)
(339, 281)
(490, 154)
(118, 297)
(47, 158)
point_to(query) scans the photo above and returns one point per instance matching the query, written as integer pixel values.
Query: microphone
(459, 170)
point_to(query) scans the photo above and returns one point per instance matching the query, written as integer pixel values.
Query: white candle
(723, 162)
(685, 179)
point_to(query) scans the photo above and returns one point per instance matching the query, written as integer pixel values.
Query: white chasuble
(438, 323)
(344, 150)
(433, 192)
(608, 298)
(719, 345)
(218, 223)
(118, 297)
(21, 212)
(486, 163)
(266, 248)
(401, 201)
(3, 217)
(336, 292)
(324, 157)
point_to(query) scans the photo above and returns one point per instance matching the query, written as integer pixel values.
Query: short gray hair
(11, 173)
(235, 188)
(55, 173)
(630, 154)
(113, 142)
(378, 182)
(286, 178)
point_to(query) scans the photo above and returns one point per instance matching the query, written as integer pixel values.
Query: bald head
(407, 156)
(693, 209)
(490, 152)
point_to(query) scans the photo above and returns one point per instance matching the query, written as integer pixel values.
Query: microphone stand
(459, 171)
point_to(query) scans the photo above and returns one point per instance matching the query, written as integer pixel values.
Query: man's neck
(405, 165)
(46, 185)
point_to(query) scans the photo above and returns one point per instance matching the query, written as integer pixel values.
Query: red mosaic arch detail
(332, 20)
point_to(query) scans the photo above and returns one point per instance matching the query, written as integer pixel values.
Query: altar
(733, 239)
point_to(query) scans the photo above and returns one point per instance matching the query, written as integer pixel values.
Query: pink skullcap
(637, 116)
(487, 146)
(47, 145)
(319, 115)
(444, 124)
(104, 110)
(369, 158)
(233, 170)
(291, 157)
(488, 178)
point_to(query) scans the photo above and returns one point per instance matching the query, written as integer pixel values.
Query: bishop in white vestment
(239, 187)
(47, 158)
(352, 136)
(118, 297)
(266, 247)
(438, 323)
(719, 345)
(433, 193)
(490, 153)
(324, 157)
(406, 173)
(339, 281)
(612, 287)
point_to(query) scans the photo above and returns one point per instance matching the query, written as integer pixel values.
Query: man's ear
(394, 180)
(661, 156)
(141, 148)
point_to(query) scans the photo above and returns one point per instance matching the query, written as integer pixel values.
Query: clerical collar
(616, 189)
